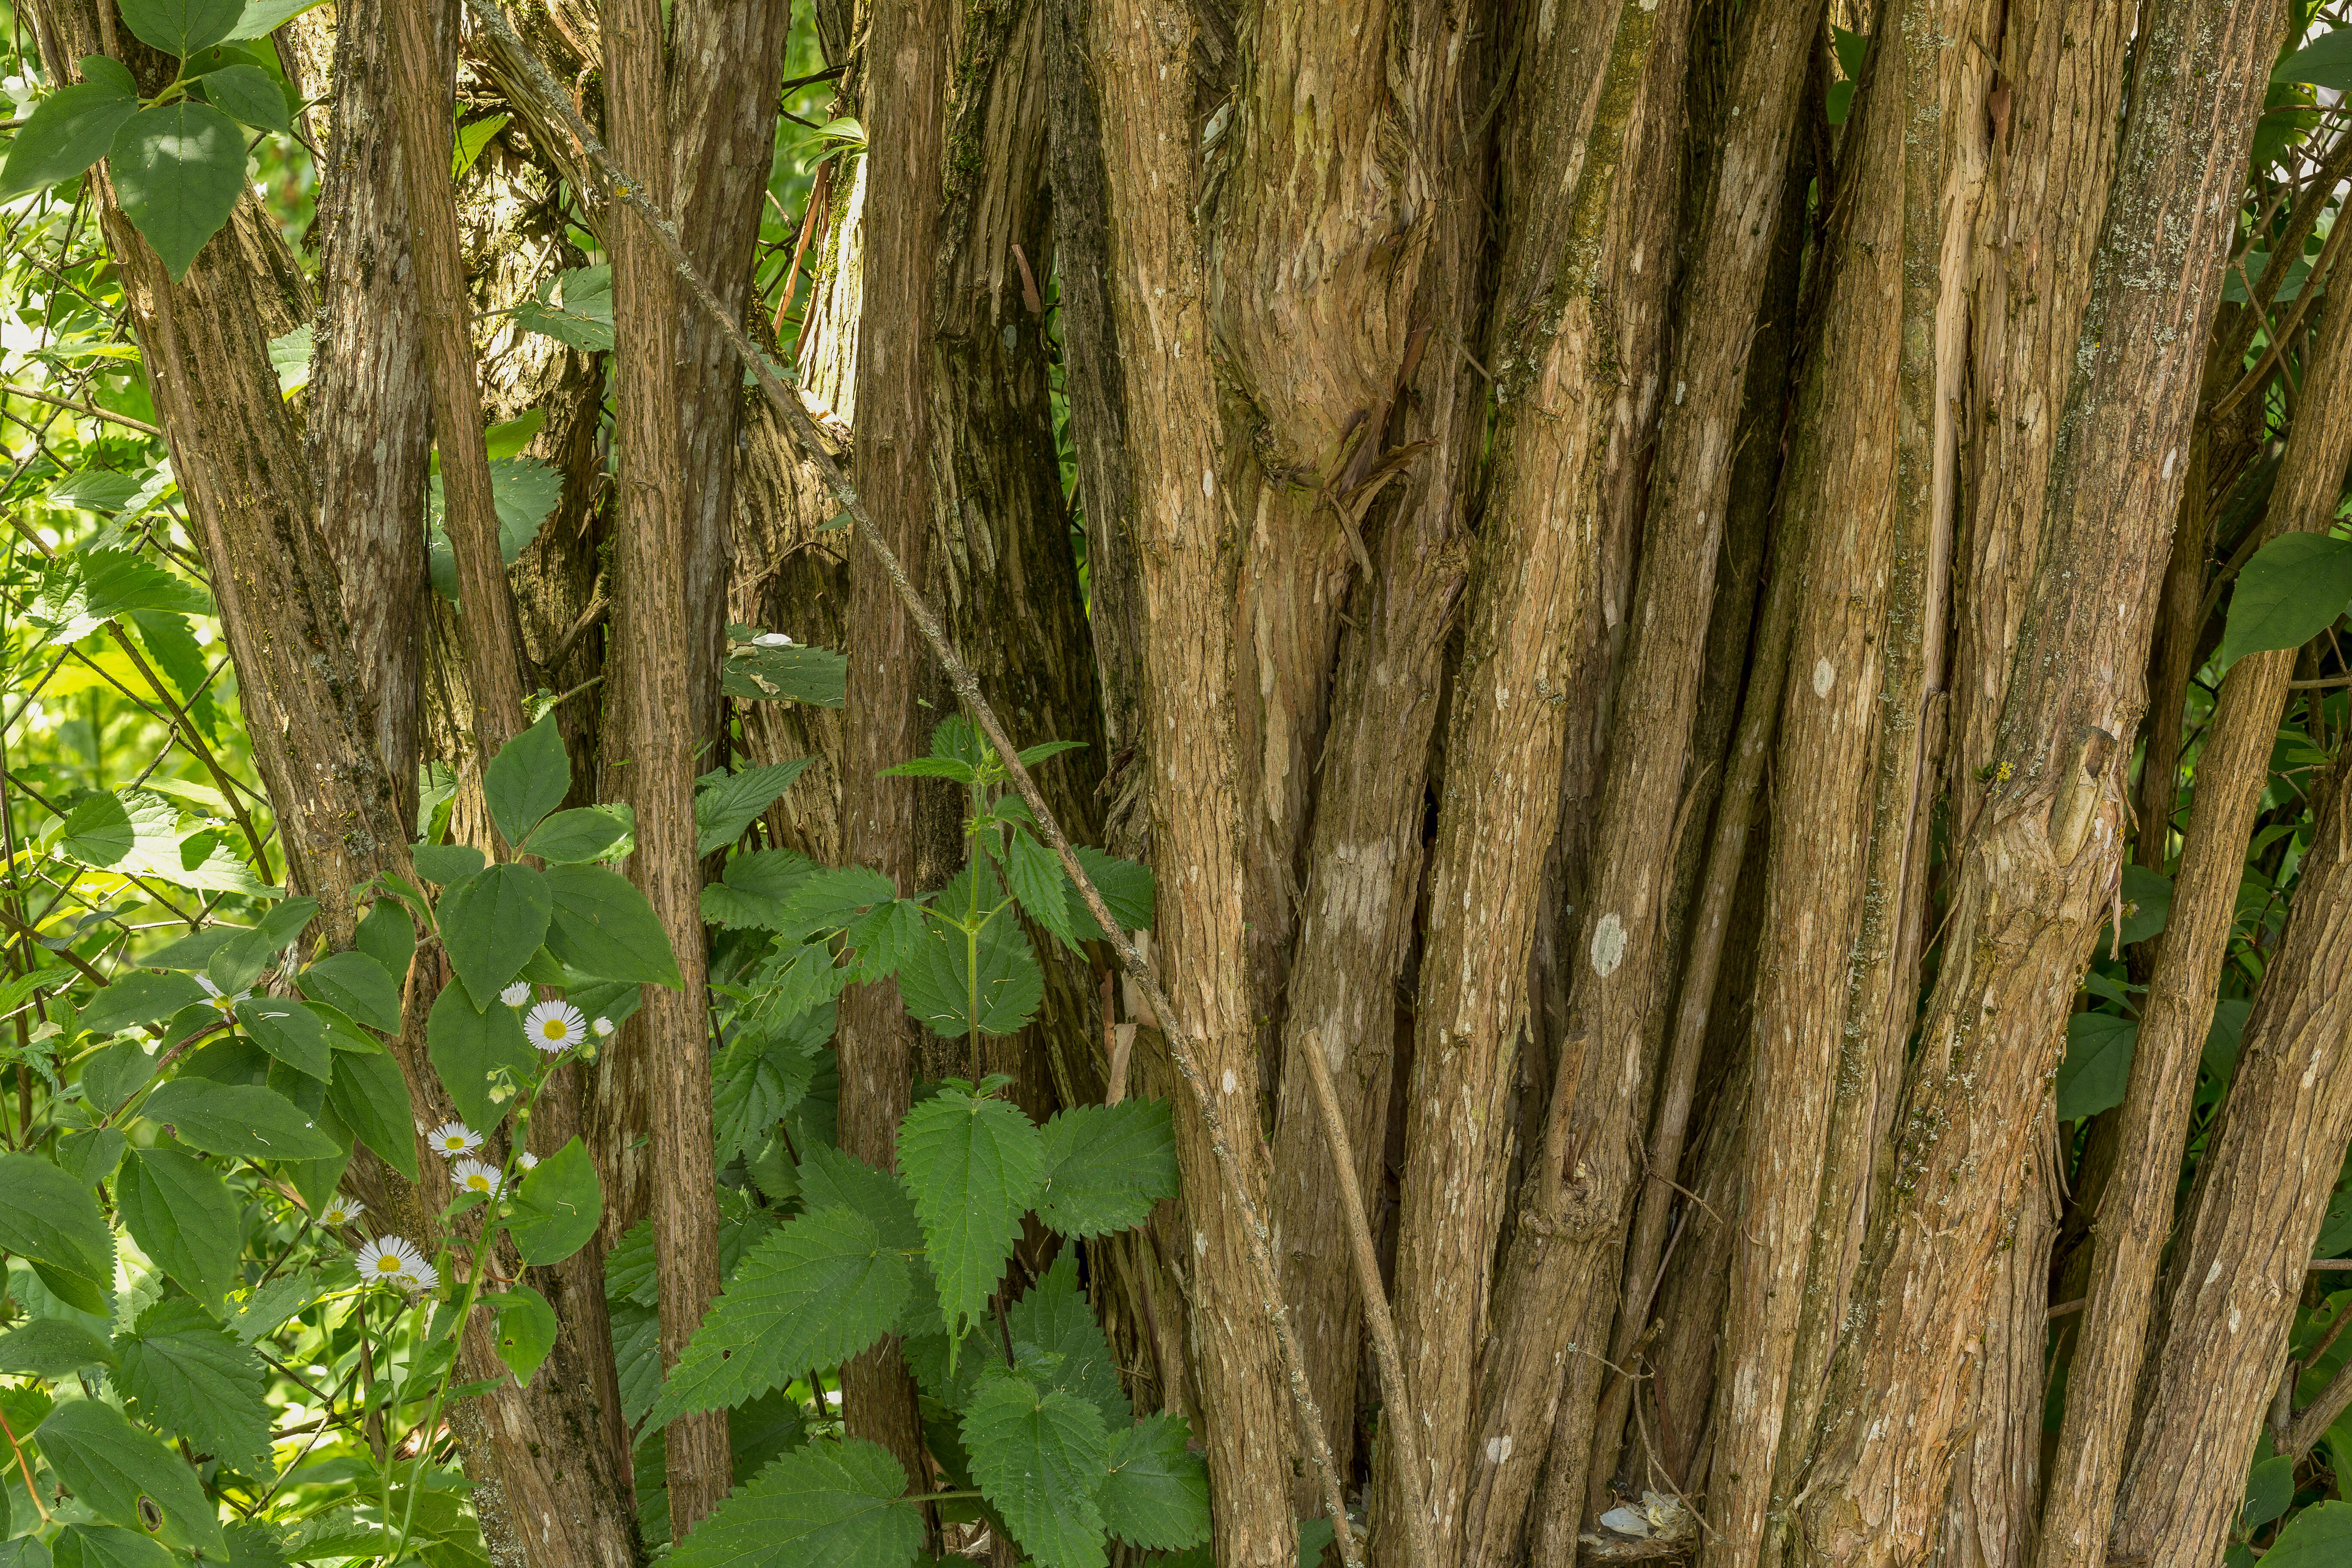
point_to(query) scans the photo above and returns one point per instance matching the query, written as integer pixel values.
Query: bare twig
(92, 410)
(630, 192)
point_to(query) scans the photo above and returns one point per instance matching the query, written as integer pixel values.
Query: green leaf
(265, 1308)
(171, 644)
(239, 1121)
(1059, 1343)
(2270, 1491)
(262, 18)
(289, 1031)
(1157, 1494)
(1036, 875)
(756, 1435)
(526, 1331)
(583, 320)
(829, 1505)
(178, 173)
(2320, 1536)
(445, 865)
(472, 137)
(953, 768)
(757, 672)
(67, 132)
(52, 1348)
(491, 923)
(2325, 61)
(138, 996)
(757, 1079)
(1126, 888)
(180, 26)
(388, 935)
(832, 897)
(932, 981)
(104, 1546)
(131, 830)
(245, 93)
(469, 1045)
(1041, 1459)
(528, 778)
(1031, 755)
(604, 927)
(111, 1464)
(885, 937)
(974, 1167)
(356, 983)
(2097, 1069)
(52, 1218)
(372, 1097)
(184, 1373)
(2291, 591)
(818, 1290)
(572, 837)
(556, 1210)
(92, 489)
(183, 1218)
(725, 802)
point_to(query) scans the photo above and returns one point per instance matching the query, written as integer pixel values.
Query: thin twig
(630, 192)
(92, 410)
(1395, 1392)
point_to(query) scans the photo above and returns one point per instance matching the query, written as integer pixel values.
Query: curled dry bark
(2134, 1217)
(1531, 581)
(2229, 1298)
(2033, 880)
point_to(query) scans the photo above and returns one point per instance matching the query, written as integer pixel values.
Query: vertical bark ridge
(2033, 880)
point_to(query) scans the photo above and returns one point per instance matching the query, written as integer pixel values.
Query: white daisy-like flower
(772, 639)
(555, 1026)
(219, 1000)
(473, 1176)
(341, 1210)
(393, 1260)
(528, 1162)
(603, 1028)
(516, 994)
(455, 1138)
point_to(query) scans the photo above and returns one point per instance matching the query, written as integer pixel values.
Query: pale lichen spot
(1498, 1448)
(1824, 677)
(1229, 1080)
(1608, 945)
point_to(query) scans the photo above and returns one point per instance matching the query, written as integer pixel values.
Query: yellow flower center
(553, 1029)
(387, 1264)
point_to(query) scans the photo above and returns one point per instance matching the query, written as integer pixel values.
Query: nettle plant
(177, 157)
(217, 1351)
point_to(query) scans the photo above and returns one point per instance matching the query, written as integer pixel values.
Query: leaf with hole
(112, 1467)
(526, 1331)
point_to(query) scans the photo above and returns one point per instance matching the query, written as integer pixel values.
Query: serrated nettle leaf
(67, 132)
(756, 1435)
(370, 1096)
(238, 1120)
(754, 1081)
(139, 997)
(445, 865)
(114, 1468)
(247, 93)
(1107, 1166)
(1059, 1343)
(637, 1358)
(2293, 589)
(289, 1031)
(818, 1290)
(173, 647)
(1126, 892)
(183, 1217)
(1034, 873)
(556, 1210)
(51, 1348)
(884, 937)
(526, 1331)
(575, 308)
(492, 922)
(1157, 1496)
(601, 926)
(2097, 1069)
(830, 897)
(184, 1373)
(357, 984)
(92, 489)
(572, 837)
(53, 1219)
(828, 1505)
(1042, 1458)
(939, 981)
(178, 171)
(725, 804)
(973, 1167)
(931, 768)
(796, 980)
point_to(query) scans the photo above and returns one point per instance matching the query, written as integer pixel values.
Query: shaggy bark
(2032, 886)
(2229, 1298)
(1531, 583)
(1186, 535)
(661, 1060)
(2135, 1210)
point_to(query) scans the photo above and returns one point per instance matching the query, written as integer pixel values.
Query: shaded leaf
(974, 1167)
(1041, 1459)
(183, 1218)
(184, 1373)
